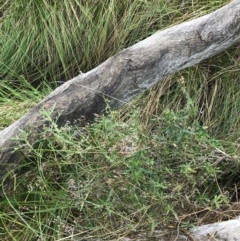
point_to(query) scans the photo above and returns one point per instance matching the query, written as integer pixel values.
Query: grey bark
(222, 231)
(127, 74)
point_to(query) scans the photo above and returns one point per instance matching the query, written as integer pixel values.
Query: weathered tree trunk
(222, 231)
(128, 73)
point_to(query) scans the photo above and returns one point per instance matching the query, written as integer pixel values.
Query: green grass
(43, 40)
(16, 99)
(170, 158)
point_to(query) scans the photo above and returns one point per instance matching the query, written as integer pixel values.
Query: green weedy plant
(114, 177)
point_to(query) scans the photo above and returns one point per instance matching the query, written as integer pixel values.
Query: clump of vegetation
(116, 177)
(168, 159)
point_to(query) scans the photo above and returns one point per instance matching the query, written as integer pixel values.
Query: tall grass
(214, 87)
(47, 40)
(168, 159)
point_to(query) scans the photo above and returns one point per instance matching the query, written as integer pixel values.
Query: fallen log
(127, 74)
(220, 231)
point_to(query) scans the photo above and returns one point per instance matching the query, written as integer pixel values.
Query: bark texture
(127, 74)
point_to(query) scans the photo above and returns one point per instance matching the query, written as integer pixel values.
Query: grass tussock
(49, 41)
(169, 159)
